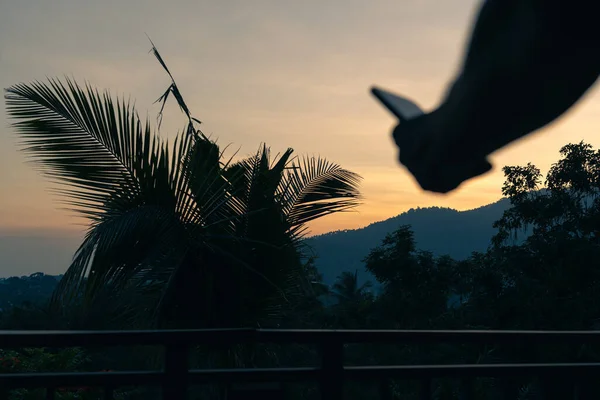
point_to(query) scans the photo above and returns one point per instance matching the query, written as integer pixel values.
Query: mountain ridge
(437, 229)
(443, 231)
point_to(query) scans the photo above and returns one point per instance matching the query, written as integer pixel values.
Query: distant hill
(439, 230)
(34, 289)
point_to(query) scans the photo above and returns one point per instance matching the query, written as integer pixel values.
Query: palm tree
(352, 300)
(347, 290)
(178, 234)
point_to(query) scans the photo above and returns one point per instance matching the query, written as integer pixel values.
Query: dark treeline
(549, 281)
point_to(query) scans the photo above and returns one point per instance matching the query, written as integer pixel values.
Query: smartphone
(401, 107)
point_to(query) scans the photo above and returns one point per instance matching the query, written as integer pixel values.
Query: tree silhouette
(179, 235)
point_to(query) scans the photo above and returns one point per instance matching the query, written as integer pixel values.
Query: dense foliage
(26, 290)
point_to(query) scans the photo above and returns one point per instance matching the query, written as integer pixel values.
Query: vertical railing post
(176, 372)
(109, 393)
(426, 389)
(467, 389)
(50, 393)
(385, 390)
(332, 370)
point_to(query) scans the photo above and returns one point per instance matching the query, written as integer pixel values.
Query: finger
(408, 132)
(444, 178)
(452, 176)
(397, 135)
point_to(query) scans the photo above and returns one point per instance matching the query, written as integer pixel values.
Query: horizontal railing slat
(155, 378)
(76, 379)
(225, 336)
(470, 370)
(255, 375)
(424, 336)
(123, 338)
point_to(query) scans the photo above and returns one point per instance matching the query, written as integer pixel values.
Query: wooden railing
(176, 376)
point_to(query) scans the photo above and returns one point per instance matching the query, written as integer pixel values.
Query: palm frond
(315, 187)
(142, 244)
(173, 89)
(207, 186)
(95, 148)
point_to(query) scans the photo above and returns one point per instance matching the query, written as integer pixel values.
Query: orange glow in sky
(288, 73)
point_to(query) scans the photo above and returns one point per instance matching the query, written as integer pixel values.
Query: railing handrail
(227, 336)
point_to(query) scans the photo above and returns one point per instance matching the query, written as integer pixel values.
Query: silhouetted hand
(434, 156)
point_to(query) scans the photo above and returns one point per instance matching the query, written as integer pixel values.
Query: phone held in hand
(403, 108)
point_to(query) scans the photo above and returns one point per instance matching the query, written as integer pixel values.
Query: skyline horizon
(70, 229)
(55, 247)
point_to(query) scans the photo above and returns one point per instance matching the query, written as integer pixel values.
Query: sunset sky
(288, 73)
